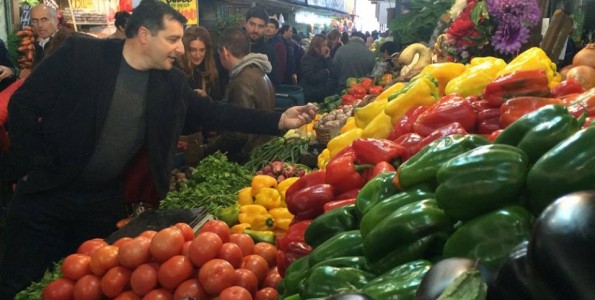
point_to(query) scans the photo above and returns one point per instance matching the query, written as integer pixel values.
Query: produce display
(443, 187)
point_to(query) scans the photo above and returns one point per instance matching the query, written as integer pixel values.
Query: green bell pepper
(400, 282)
(490, 237)
(481, 180)
(330, 223)
(373, 191)
(326, 281)
(422, 166)
(540, 130)
(567, 167)
(348, 243)
(356, 262)
(390, 204)
(404, 226)
(295, 273)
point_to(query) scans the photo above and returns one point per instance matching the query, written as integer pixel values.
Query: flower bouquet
(487, 27)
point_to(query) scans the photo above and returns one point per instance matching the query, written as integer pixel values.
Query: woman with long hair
(198, 62)
(318, 77)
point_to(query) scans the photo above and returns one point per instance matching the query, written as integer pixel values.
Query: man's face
(271, 30)
(165, 47)
(43, 24)
(255, 28)
(288, 34)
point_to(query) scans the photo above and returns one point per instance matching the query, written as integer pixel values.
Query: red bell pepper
(517, 84)
(405, 125)
(348, 194)
(517, 107)
(312, 178)
(583, 102)
(567, 87)
(292, 245)
(380, 167)
(494, 135)
(441, 132)
(410, 141)
(373, 151)
(307, 203)
(342, 172)
(451, 108)
(338, 203)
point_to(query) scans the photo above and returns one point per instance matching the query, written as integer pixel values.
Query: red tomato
(204, 247)
(115, 281)
(121, 241)
(59, 289)
(89, 247)
(127, 295)
(357, 90)
(158, 294)
(375, 90)
(135, 252)
(219, 227)
(104, 259)
(267, 293)
(190, 288)
(174, 271)
(366, 82)
(149, 234)
(272, 279)
(76, 266)
(267, 251)
(216, 275)
(232, 254)
(257, 264)
(235, 293)
(144, 279)
(186, 248)
(246, 279)
(187, 231)
(166, 243)
(245, 242)
(88, 288)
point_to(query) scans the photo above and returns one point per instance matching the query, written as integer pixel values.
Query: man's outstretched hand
(297, 116)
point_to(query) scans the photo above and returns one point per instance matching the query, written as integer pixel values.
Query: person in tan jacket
(249, 86)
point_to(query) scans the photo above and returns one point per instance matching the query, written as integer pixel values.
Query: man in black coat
(97, 124)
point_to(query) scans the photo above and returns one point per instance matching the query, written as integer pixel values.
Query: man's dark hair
(150, 14)
(121, 18)
(284, 29)
(390, 47)
(273, 21)
(236, 41)
(259, 13)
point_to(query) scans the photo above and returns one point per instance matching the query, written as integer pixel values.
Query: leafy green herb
(34, 291)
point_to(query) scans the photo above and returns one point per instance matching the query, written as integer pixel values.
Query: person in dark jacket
(44, 21)
(317, 79)
(8, 72)
(256, 21)
(276, 42)
(96, 126)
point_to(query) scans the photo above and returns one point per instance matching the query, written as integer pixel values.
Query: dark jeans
(45, 227)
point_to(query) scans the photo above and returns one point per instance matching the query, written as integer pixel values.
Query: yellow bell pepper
(282, 217)
(480, 72)
(379, 128)
(245, 196)
(268, 197)
(364, 115)
(387, 92)
(239, 228)
(444, 72)
(283, 186)
(532, 59)
(349, 124)
(260, 181)
(257, 216)
(338, 143)
(323, 158)
(422, 90)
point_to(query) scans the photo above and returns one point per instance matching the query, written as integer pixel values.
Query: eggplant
(350, 296)
(562, 246)
(444, 273)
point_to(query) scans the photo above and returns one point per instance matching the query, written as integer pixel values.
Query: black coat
(56, 117)
(317, 77)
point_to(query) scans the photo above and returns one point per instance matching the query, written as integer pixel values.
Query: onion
(585, 75)
(585, 57)
(565, 70)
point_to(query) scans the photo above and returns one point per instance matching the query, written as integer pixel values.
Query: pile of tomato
(172, 263)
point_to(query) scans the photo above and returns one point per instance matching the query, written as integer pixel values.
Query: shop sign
(188, 8)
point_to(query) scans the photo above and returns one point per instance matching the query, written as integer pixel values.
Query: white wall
(365, 19)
